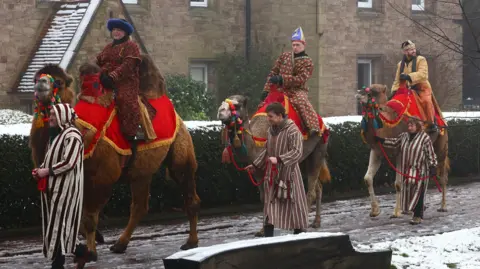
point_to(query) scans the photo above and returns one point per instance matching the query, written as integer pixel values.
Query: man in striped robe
(418, 160)
(285, 203)
(63, 198)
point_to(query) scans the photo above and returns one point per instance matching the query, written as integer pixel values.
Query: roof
(61, 40)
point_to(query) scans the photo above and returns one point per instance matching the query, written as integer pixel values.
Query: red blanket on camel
(276, 96)
(104, 123)
(405, 102)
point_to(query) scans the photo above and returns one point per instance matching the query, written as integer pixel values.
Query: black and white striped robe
(63, 200)
(417, 156)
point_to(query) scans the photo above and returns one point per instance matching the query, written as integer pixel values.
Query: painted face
(412, 52)
(274, 119)
(52, 120)
(412, 127)
(298, 46)
(118, 33)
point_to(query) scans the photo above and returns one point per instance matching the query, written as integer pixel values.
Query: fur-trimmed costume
(417, 70)
(120, 60)
(295, 70)
(63, 200)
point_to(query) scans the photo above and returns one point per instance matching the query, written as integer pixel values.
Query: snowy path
(150, 244)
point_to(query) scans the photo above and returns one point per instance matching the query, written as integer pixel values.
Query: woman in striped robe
(285, 203)
(418, 160)
(63, 198)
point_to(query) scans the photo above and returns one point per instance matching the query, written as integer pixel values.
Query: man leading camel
(291, 72)
(414, 69)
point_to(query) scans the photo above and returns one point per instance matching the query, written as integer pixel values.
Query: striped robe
(417, 156)
(63, 200)
(287, 147)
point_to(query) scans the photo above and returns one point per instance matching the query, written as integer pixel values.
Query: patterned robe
(295, 73)
(287, 147)
(417, 156)
(121, 62)
(63, 200)
(417, 69)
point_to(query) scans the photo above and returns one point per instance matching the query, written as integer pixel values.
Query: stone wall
(377, 34)
(176, 34)
(273, 22)
(21, 24)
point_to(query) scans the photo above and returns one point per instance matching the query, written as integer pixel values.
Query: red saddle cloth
(406, 102)
(276, 96)
(105, 124)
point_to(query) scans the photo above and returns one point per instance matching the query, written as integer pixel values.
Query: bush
(236, 75)
(189, 97)
(219, 184)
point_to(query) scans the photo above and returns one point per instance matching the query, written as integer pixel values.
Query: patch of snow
(458, 249)
(200, 254)
(9, 117)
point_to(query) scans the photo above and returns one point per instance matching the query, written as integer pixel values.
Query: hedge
(219, 184)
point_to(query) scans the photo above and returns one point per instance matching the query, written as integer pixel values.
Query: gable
(58, 45)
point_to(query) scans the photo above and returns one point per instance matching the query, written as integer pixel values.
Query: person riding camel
(120, 62)
(291, 72)
(414, 69)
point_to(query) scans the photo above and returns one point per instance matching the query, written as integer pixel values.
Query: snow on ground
(14, 122)
(458, 249)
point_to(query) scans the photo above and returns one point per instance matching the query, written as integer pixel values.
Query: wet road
(150, 244)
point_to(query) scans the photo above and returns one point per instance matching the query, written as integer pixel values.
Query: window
(418, 4)
(365, 3)
(130, 2)
(364, 77)
(198, 3)
(364, 73)
(199, 72)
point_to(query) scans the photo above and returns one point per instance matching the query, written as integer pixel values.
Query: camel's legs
(443, 179)
(397, 212)
(317, 221)
(373, 166)
(182, 167)
(140, 190)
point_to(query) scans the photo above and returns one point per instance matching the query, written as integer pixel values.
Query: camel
(104, 167)
(313, 158)
(440, 144)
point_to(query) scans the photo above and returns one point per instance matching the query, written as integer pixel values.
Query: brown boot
(416, 220)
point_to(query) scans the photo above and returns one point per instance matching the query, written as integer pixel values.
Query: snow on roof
(61, 40)
(200, 254)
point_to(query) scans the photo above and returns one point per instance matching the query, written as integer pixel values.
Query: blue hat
(120, 24)
(298, 35)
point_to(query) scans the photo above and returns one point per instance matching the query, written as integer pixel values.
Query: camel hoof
(188, 246)
(442, 210)
(118, 248)
(374, 214)
(315, 225)
(260, 234)
(99, 238)
(394, 216)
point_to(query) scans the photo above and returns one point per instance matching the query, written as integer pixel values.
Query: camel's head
(375, 91)
(233, 105)
(49, 79)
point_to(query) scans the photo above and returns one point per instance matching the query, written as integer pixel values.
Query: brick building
(352, 43)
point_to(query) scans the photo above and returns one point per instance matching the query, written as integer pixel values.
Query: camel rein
(399, 172)
(274, 170)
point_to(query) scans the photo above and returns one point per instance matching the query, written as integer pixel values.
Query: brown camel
(104, 167)
(313, 158)
(440, 144)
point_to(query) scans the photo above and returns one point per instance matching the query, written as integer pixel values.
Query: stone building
(352, 43)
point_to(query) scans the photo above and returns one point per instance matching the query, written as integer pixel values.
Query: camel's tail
(324, 175)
